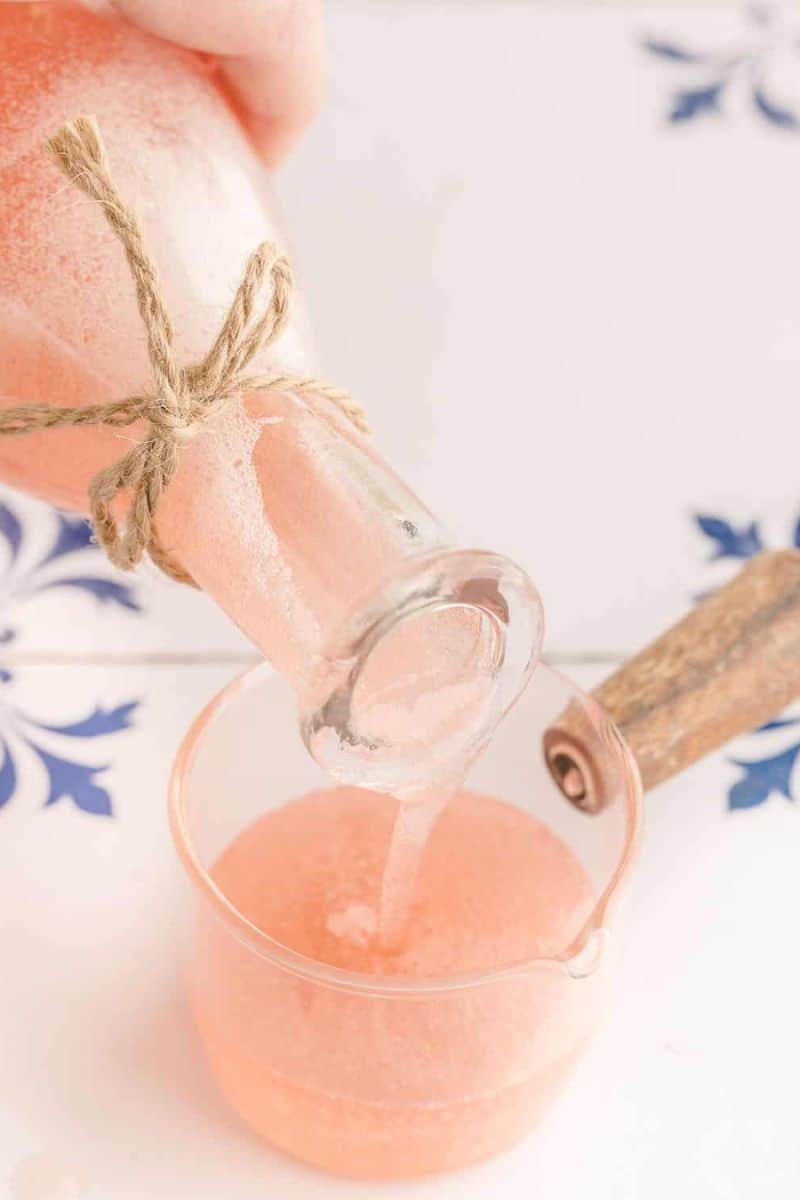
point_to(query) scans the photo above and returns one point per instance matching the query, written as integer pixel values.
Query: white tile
(573, 324)
(689, 1091)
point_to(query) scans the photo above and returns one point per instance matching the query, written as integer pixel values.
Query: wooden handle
(731, 664)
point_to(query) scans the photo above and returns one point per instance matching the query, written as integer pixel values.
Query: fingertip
(277, 100)
(270, 56)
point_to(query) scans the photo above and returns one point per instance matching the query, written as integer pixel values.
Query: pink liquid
(280, 510)
(402, 1084)
(411, 831)
(275, 512)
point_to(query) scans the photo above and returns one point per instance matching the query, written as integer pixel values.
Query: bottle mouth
(415, 682)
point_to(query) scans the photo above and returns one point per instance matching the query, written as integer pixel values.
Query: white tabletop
(576, 326)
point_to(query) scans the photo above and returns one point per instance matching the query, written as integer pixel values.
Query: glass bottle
(403, 650)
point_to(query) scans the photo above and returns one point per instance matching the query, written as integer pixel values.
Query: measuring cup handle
(731, 664)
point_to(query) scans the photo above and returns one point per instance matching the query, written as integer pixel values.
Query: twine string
(184, 398)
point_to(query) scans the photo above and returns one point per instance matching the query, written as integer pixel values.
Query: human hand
(269, 53)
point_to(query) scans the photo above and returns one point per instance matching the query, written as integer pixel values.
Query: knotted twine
(183, 398)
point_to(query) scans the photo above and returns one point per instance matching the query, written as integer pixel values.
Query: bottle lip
(476, 580)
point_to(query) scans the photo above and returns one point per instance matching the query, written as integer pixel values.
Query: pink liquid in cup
(391, 1087)
(445, 1040)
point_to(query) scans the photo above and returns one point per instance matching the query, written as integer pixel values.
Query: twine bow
(183, 397)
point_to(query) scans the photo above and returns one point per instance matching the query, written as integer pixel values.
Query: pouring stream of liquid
(418, 813)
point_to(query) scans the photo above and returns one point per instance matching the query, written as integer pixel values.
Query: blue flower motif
(695, 101)
(760, 778)
(763, 777)
(8, 776)
(72, 535)
(730, 542)
(21, 735)
(67, 779)
(709, 75)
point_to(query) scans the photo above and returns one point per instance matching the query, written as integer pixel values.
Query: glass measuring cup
(387, 1076)
(390, 1076)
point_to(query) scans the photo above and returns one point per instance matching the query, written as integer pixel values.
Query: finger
(280, 90)
(270, 54)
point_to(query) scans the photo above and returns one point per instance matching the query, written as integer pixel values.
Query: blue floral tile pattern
(771, 774)
(730, 541)
(24, 738)
(67, 778)
(762, 777)
(72, 534)
(704, 78)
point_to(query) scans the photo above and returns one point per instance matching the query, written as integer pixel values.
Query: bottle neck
(287, 517)
(403, 652)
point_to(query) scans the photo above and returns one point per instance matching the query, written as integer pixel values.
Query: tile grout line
(130, 658)
(236, 658)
